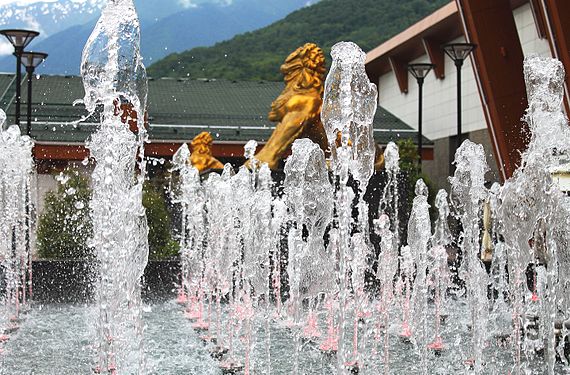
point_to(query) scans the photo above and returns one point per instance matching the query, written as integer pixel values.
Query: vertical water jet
(114, 78)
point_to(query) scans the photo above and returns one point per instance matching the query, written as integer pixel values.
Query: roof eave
(442, 25)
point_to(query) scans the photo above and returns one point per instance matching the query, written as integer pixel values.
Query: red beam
(56, 153)
(219, 150)
(159, 150)
(59, 152)
(401, 71)
(154, 149)
(436, 56)
(499, 69)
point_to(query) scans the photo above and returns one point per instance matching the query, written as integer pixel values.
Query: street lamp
(20, 40)
(420, 71)
(31, 60)
(458, 52)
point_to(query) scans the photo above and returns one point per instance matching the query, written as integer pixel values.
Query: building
(493, 91)
(179, 109)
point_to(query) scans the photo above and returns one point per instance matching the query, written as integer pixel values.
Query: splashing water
(419, 232)
(349, 105)
(528, 201)
(247, 296)
(468, 193)
(389, 204)
(16, 166)
(263, 307)
(309, 199)
(190, 197)
(113, 73)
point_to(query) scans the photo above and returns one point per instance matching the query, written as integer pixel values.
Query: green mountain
(258, 55)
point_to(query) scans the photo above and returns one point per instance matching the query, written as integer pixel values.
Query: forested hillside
(257, 55)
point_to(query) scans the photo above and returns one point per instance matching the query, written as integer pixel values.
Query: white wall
(44, 184)
(439, 109)
(531, 43)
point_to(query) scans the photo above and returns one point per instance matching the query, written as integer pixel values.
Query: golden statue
(201, 153)
(298, 109)
(379, 159)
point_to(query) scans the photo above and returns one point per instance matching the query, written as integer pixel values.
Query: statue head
(304, 72)
(202, 144)
(201, 157)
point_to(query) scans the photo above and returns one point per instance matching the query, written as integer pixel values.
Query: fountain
(349, 105)
(113, 72)
(413, 318)
(16, 165)
(279, 281)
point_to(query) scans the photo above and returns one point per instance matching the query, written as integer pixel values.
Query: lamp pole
(18, 52)
(420, 71)
(459, 65)
(19, 40)
(458, 52)
(31, 60)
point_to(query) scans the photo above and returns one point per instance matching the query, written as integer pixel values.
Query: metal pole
(420, 104)
(30, 72)
(18, 54)
(458, 64)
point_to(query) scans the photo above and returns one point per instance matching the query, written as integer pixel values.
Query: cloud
(187, 4)
(196, 3)
(5, 48)
(32, 23)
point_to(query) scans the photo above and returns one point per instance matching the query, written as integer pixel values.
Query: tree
(65, 226)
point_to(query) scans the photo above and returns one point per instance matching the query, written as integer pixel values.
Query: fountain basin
(61, 338)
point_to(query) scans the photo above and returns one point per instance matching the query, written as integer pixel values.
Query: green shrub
(65, 226)
(160, 241)
(409, 165)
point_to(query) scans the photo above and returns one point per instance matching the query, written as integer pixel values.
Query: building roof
(442, 25)
(179, 109)
(425, 37)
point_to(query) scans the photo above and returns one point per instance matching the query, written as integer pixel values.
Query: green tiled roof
(7, 89)
(179, 109)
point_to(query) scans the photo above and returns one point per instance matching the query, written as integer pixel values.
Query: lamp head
(31, 60)
(420, 71)
(19, 38)
(458, 52)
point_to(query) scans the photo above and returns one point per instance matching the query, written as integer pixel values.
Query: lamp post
(31, 60)
(20, 40)
(458, 52)
(420, 71)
